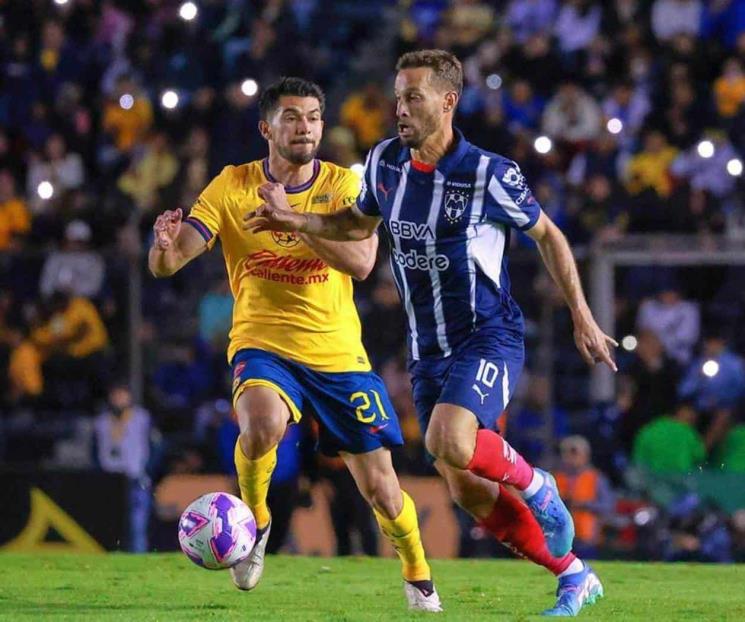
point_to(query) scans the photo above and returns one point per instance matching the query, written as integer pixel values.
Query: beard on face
(295, 157)
(427, 125)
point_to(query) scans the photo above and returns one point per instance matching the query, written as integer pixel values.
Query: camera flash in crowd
(543, 144)
(249, 87)
(705, 149)
(614, 125)
(358, 168)
(126, 101)
(45, 190)
(188, 11)
(710, 368)
(629, 343)
(169, 99)
(493, 81)
(734, 167)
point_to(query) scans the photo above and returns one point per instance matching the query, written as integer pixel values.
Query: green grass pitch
(168, 587)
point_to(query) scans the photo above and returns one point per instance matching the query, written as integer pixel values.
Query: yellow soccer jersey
(287, 299)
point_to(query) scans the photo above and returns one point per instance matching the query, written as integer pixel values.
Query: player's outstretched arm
(593, 344)
(276, 215)
(173, 245)
(356, 259)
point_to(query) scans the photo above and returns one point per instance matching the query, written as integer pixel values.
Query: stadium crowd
(626, 117)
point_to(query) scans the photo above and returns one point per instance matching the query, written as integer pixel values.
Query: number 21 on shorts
(362, 403)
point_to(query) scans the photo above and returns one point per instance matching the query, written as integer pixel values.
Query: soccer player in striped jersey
(448, 209)
(295, 345)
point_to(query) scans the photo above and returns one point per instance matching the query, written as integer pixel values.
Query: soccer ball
(217, 531)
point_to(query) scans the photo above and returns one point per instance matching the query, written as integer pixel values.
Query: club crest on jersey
(455, 205)
(285, 239)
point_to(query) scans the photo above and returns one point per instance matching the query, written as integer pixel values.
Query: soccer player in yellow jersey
(295, 343)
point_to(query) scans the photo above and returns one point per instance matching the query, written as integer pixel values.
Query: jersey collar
(450, 160)
(293, 189)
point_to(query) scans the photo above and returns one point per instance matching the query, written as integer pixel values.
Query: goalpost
(647, 250)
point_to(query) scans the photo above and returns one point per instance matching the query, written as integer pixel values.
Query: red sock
(513, 524)
(496, 460)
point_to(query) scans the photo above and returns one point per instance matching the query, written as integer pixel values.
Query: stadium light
(249, 87)
(710, 368)
(493, 81)
(126, 101)
(45, 190)
(705, 149)
(614, 125)
(358, 168)
(629, 343)
(188, 11)
(169, 99)
(734, 167)
(543, 144)
(60, 2)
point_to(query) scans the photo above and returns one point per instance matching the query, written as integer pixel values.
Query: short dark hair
(446, 68)
(298, 87)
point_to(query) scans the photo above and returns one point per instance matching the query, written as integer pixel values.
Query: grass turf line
(166, 587)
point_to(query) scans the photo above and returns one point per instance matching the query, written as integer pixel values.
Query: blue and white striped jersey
(449, 229)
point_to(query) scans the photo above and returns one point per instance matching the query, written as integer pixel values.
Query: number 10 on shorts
(487, 373)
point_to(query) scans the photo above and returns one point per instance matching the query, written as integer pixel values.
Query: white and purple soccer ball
(217, 531)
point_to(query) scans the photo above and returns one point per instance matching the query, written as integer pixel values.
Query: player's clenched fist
(274, 194)
(166, 228)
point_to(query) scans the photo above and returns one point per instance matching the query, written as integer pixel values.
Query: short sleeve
(347, 190)
(206, 214)
(367, 202)
(509, 200)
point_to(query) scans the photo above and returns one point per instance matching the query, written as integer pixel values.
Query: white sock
(534, 486)
(574, 567)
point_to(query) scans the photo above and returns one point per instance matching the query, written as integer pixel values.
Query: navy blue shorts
(481, 375)
(353, 410)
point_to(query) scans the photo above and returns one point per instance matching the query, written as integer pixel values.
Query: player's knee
(449, 446)
(260, 431)
(384, 495)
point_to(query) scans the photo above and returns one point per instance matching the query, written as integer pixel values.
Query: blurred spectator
(586, 492)
(128, 115)
(572, 116)
(577, 25)
(150, 173)
(15, 220)
(216, 315)
(731, 454)
(649, 169)
(367, 113)
(62, 169)
(676, 322)
(707, 173)
(528, 17)
(522, 108)
(715, 383)
(340, 146)
(25, 375)
(73, 341)
(646, 387)
(194, 173)
(674, 17)
(729, 88)
(597, 214)
(76, 268)
(696, 533)
(670, 444)
(123, 446)
(630, 105)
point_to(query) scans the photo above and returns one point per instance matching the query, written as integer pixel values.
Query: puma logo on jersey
(482, 395)
(384, 190)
